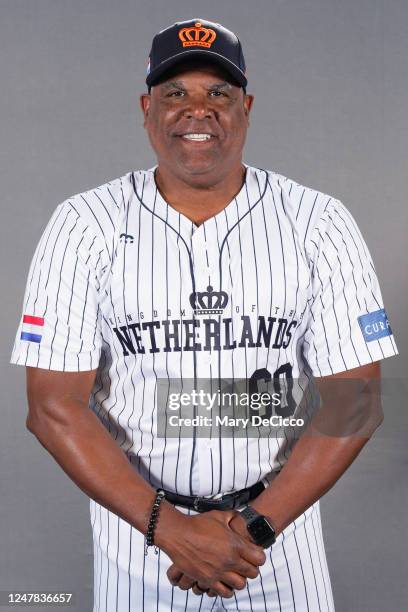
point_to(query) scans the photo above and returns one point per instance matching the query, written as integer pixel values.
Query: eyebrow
(169, 84)
(180, 85)
(224, 85)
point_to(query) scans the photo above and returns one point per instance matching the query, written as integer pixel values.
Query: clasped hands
(211, 552)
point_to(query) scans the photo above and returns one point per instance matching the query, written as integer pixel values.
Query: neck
(199, 202)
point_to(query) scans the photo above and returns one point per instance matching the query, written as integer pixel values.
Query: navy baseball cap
(196, 38)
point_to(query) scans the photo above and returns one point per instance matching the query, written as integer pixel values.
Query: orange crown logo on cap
(197, 35)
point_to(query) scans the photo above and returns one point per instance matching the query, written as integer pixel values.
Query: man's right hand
(204, 548)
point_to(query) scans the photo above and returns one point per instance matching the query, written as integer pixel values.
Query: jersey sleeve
(347, 325)
(60, 323)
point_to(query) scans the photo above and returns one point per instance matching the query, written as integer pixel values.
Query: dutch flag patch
(31, 329)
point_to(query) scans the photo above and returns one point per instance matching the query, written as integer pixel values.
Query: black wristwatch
(259, 528)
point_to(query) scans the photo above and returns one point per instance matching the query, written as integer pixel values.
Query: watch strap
(249, 513)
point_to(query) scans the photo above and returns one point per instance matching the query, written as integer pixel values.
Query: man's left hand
(185, 582)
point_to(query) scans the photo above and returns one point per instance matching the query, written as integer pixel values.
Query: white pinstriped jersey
(123, 283)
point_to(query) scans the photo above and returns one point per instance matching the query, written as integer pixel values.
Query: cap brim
(211, 56)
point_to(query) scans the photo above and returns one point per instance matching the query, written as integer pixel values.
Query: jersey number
(282, 383)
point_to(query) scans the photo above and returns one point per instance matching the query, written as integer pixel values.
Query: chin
(190, 167)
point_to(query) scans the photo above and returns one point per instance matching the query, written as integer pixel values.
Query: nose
(198, 108)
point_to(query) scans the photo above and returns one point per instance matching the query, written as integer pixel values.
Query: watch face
(261, 531)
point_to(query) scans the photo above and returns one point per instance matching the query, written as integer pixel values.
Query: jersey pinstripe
(294, 578)
(119, 279)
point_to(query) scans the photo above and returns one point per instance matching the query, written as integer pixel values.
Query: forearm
(81, 445)
(350, 412)
(313, 467)
(94, 461)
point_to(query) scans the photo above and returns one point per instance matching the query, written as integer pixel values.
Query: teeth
(197, 136)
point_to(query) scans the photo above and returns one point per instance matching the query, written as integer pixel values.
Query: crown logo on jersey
(197, 36)
(208, 302)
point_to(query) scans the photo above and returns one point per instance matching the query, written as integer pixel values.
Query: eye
(176, 94)
(216, 93)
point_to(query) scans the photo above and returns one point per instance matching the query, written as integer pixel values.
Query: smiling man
(203, 268)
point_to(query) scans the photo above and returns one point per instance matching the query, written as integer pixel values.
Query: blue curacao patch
(374, 325)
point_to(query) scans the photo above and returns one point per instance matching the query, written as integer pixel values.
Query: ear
(145, 100)
(248, 102)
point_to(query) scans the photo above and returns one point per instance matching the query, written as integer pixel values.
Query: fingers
(249, 551)
(247, 570)
(225, 588)
(233, 580)
(252, 553)
(238, 525)
(178, 578)
(219, 588)
(198, 590)
(174, 574)
(230, 582)
(186, 583)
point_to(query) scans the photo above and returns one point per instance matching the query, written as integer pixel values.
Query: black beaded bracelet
(153, 520)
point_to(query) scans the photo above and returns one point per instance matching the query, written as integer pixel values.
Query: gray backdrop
(330, 81)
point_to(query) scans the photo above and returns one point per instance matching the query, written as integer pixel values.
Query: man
(201, 268)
